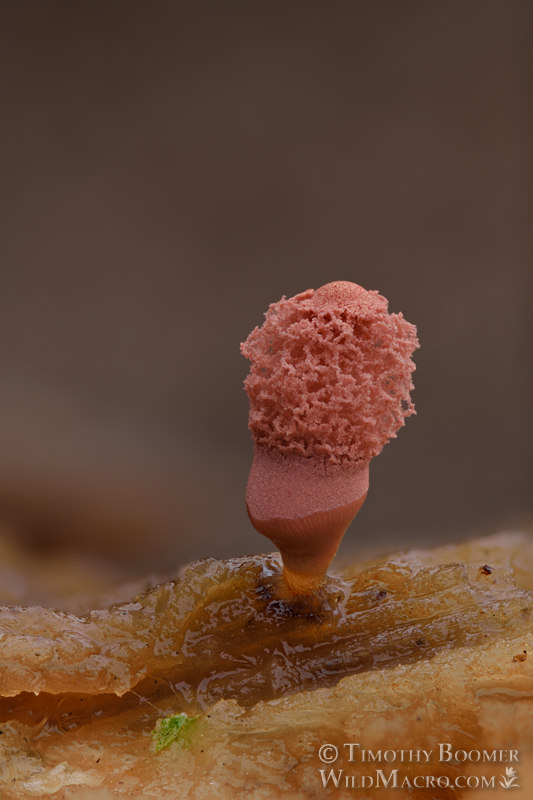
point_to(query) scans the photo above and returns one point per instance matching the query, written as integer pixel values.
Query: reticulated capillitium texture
(330, 374)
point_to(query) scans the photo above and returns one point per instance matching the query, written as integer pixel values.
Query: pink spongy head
(330, 374)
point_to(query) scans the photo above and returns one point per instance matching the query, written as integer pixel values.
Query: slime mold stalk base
(303, 507)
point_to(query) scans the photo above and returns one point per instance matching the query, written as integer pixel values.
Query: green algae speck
(177, 728)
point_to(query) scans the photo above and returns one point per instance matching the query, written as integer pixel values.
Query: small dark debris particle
(420, 642)
(264, 592)
(155, 680)
(485, 570)
(97, 760)
(37, 654)
(418, 719)
(382, 594)
(520, 656)
(282, 610)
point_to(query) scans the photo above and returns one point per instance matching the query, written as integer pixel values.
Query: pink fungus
(329, 386)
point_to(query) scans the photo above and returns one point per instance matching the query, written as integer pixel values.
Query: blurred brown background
(168, 169)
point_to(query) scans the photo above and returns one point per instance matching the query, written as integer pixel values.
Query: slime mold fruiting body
(329, 385)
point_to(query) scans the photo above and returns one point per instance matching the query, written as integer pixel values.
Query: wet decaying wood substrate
(227, 629)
